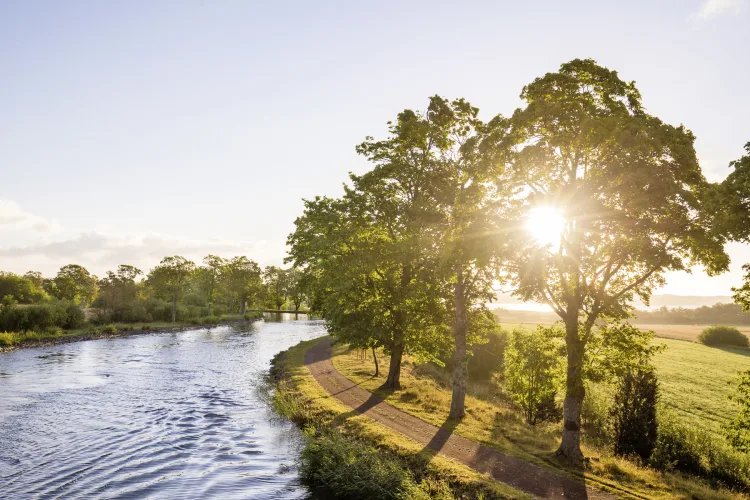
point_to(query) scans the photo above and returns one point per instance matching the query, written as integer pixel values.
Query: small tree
(170, 279)
(634, 413)
(75, 283)
(533, 370)
(243, 280)
(738, 429)
(209, 277)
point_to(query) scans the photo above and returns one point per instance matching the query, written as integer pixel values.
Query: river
(174, 415)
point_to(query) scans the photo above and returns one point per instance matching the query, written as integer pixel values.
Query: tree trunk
(570, 446)
(394, 371)
(174, 309)
(209, 309)
(460, 370)
(243, 307)
(375, 358)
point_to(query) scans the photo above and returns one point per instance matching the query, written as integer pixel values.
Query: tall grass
(10, 339)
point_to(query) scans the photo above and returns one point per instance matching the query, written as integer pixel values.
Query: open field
(491, 418)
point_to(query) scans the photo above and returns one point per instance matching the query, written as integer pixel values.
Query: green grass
(694, 381)
(492, 419)
(301, 399)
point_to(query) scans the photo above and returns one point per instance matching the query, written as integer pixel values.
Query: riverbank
(350, 455)
(117, 330)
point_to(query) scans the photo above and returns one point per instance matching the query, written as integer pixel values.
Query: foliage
(742, 294)
(276, 286)
(721, 335)
(634, 413)
(24, 289)
(487, 358)
(346, 468)
(118, 290)
(41, 317)
(633, 198)
(532, 371)
(731, 314)
(75, 283)
(209, 277)
(243, 281)
(170, 279)
(738, 429)
(109, 329)
(616, 349)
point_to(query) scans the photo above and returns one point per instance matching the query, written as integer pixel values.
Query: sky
(134, 130)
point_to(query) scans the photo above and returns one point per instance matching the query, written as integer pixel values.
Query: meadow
(694, 382)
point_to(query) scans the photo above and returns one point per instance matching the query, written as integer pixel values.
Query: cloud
(14, 218)
(100, 251)
(715, 8)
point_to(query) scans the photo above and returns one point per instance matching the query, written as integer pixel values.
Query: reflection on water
(175, 415)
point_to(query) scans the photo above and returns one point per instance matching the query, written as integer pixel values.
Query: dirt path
(504, 468)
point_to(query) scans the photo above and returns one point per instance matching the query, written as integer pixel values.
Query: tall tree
(74, 282)
(296, 287)
(370, 252)
(171, 278)
(243, 280)
(632, 197)
(276, 283)
(735, 194)
(119, 288)
(471, 192)
(209, 277)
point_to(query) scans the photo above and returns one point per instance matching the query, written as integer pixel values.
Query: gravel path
(504, 468)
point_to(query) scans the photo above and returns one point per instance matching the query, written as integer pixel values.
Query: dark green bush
(109, 329)
(487, 359)
(634, 414)
(721, 335)
(41, 317)
(211, 320)
(339, 467)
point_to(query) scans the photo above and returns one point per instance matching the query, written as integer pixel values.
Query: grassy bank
(351, 456)
(16, 340)
(493, 420)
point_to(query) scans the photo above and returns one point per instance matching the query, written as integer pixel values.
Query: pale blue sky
(130, 130)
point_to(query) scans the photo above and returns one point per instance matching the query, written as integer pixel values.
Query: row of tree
(234, 283)
(407, 257)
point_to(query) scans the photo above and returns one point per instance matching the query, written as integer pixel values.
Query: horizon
(120, 122)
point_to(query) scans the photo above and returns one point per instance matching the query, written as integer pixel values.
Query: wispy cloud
(102, 251)
(14, 218)
(715, 8)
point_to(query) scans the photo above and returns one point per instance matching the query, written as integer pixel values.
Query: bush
(109, 329)
(487, 359)
(693, 451)
(720, 335)
(341, 467)
(532, 371)
(211, 320)
(634, 414)
(41, 317)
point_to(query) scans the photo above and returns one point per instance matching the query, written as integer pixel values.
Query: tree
(632, 197)
(276, 286)
(741, 294)
(532, 370)
(471, 192)
(296, 287)
(738, 429)
(75, 283)
(243, 280)
(634, 413)
(118, 289)
(736, 197)
(171, 278)
(209, 277)
(23, 289)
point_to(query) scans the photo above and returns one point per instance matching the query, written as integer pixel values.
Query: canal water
(174, 415)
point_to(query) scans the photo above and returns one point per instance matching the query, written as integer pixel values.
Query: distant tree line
(174, 290)
(728, 314)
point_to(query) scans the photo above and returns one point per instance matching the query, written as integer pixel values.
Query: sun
(545, 224)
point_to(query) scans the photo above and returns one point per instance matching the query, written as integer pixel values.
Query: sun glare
(545, 224)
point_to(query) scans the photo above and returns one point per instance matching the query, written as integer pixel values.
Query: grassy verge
(13, 340)
(493, 420)
(347, 454)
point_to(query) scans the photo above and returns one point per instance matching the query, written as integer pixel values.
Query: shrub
(195, 321)
(532, 371)
(634, 414)
(109, 329)
(738, 429)
(211, 320)
(720, 335)
(341, 467)
(41, 316)
(487, 359)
